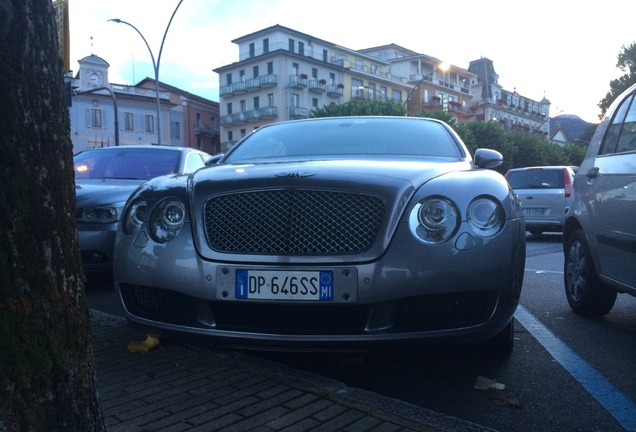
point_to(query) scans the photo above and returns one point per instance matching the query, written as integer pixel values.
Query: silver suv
(599, 236)
(545, 193)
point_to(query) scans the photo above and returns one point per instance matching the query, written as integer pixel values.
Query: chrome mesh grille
(293, 222)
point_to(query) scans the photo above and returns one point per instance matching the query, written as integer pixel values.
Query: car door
(611, 187)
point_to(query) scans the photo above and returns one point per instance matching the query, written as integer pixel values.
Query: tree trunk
(47, 376)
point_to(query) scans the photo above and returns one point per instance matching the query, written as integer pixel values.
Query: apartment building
(282, 74)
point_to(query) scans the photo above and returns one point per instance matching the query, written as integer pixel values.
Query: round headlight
(135, 217)
(167, 220)
(434, 220)
(485, 216)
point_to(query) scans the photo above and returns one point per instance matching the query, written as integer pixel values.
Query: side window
(622, 129)
(193, 163)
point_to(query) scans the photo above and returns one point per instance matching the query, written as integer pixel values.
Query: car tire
(502, 344)
(586, 294)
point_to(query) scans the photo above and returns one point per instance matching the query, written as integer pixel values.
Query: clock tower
(93, 72)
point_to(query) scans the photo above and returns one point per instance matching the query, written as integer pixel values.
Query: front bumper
(458, 292)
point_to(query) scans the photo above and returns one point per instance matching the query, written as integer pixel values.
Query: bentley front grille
(293, 222)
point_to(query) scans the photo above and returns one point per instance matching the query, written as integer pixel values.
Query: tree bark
(47, 376)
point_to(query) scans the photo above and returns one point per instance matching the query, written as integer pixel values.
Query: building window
(241, 75)
(266, 45)
(314, 102)
(199, 119)
(325, 55)
(129, 121)
(243, 133)
(270, 68)
(270, 100)
(230, 136)
(242, 106)
(296, 68)
(257, 102)
(292, 44)
(314, 73)
(150, 123)
(199, 143)
(332, 78)
(396, 95)
(252, 50)
(255, 72)
(175, 130)
(229, 108)
(96, 118)
(228, 79)
(301, 48)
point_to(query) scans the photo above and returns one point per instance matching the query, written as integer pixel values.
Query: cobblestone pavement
(183, 388)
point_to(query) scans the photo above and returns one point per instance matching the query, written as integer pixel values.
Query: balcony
(253, 115)
(252, 84)
(335, 90)
(298, 81)
(203, 131)
(434, 103)
(298, 113)
(239, 87)
(270, 80)
(268, 112)
(239, 118)
(317, 86)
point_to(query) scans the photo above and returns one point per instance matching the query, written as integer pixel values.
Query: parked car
(105, 178)
(599, 237)
(333, 232)
(545, 193)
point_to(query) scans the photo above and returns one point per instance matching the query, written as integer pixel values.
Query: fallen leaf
(152, 341)
(506, 401)
(486, 383)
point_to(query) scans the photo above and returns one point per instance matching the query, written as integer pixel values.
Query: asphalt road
(566, 373)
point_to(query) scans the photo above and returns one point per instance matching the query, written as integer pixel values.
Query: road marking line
(618, 405)
(559, 272)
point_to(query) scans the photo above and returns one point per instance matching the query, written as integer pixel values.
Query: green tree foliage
(360, 108)
(627, 64)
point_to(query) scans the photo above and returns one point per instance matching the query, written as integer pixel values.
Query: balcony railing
(297, 81)
(317, 86)
(299, 112)
(334, 91)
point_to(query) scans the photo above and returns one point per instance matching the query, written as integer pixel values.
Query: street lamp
(442, 66)
(155, 65)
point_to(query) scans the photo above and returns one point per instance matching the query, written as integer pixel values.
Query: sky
(564, 50)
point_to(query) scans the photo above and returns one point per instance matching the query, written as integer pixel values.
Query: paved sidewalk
(181, 388)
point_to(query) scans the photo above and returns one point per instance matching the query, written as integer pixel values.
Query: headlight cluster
(164, 223)
(102, 214)
(436, 219)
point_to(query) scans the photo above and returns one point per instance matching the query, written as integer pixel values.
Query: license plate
(284, 285)
(533, 211)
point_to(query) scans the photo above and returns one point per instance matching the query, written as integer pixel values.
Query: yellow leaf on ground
(143, 347)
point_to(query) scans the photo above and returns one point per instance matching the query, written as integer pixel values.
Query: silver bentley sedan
(342, 233)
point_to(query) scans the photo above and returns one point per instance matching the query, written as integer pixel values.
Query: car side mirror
(213, 160)
(487, 158)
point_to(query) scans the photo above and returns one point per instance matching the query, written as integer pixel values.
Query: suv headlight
(434, 220)
(167, 220)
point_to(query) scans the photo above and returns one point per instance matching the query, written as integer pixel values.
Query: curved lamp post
(155, 64)
(442, 66)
